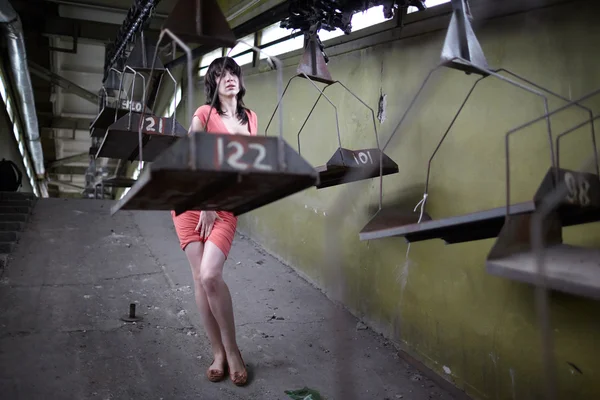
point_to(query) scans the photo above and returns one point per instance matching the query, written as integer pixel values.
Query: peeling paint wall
(476, 330)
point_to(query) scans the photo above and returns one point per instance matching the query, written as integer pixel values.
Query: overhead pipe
(13, 31)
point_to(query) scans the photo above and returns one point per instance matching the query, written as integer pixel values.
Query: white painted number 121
(150, 122)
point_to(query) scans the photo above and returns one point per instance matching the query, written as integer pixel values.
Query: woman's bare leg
(194, 252)
(219, 299)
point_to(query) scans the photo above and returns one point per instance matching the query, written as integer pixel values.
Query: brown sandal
(216, 375)
(239, 378)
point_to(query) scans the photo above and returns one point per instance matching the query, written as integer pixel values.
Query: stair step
(14, 217)
(9, 236)
(3, 261)
(14, 226)
(17, 203)
(7, 247)
(17, 196)
(10, 209)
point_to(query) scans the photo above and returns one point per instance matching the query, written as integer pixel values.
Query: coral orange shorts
(221, 235)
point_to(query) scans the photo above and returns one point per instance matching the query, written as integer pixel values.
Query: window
(275, 32)
(207, 59)
(9, 109)
(17, 132)
(173, 103)
(372, 16)
(2, 88)
(428, 3)
(135, 175)
(360, 20)
(243, 47)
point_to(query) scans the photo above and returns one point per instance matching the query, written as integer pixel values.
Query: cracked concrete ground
(77, 269)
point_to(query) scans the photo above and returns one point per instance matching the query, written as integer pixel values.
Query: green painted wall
(443, 308)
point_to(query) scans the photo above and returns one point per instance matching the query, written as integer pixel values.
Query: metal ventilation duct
(13, 30)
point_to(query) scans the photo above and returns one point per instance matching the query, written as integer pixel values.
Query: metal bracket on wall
(461, 42)
(206, 24)
(313, 63)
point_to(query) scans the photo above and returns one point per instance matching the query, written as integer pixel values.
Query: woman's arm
(197, 125)
(199, 119)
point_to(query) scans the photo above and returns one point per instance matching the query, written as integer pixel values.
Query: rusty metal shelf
(463, 228)
(117, 181)
(569, 269)
(482, 224)
(104, 119)
(350, 166)
(235, 173)
(121, 140)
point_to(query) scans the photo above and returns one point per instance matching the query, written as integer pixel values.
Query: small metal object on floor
(131, 317)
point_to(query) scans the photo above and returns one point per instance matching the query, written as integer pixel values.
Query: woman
(206, 236)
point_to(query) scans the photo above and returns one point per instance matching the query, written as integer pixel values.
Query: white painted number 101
(233, 159)
(363, 157)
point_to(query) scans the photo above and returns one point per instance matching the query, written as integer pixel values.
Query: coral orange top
(185, 223)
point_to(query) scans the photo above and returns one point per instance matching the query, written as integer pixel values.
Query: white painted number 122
(233, 158)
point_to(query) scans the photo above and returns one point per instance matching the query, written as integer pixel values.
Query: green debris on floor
(304, 394)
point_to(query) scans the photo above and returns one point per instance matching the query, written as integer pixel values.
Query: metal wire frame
(103, 88)
(547, 205)
(131, 87)
(507, 71)
(322, 94)
(546, 116)
(143, 102)
(575, 103)
(136, 73)
(175, 86)
(337, 125)
(485, 72)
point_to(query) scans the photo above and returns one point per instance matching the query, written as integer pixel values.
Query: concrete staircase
(15, 210)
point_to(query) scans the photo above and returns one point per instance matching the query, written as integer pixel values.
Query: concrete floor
(75, 271)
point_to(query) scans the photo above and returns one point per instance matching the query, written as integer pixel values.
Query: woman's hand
(206, 222)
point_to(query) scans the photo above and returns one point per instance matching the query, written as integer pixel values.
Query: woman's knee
(211, 280)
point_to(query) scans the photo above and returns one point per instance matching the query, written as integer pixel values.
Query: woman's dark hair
(211, 80)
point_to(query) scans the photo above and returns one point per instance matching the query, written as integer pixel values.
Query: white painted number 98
(578, 189)
(233, 159)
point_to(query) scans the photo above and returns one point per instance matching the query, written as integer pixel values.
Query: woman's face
(229, 86)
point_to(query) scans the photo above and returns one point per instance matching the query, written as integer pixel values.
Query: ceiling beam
(100, 7)
(67, 160)
(66, 185)
(64, 83)
(90, 30)
(266, 18)
(80, 124)
(67, 170)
